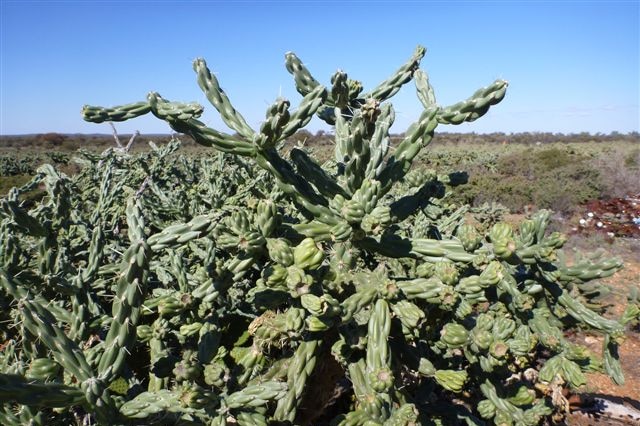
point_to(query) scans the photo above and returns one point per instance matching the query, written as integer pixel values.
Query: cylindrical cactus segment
(218, 98)
(284, 286)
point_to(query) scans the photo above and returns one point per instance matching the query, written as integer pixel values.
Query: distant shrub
(632, 159)
(8, 182)
(55, 139)
(552, 178)
(620, 171)
(58, 157)
(12, 164)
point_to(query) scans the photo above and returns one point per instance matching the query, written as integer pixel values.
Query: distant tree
(55, 139)
(303, 136)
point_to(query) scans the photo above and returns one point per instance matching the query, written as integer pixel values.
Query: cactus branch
(211, 88)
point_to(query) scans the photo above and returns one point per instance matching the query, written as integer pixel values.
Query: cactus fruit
(246, 287)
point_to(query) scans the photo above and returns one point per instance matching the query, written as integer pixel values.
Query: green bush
(547, 178)
(632, 159)
(12, 164)
(8, 182)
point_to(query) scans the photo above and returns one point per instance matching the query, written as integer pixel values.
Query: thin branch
(133, 138)
(115, 135)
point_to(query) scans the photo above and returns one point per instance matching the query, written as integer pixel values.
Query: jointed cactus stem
(257, 287)
(298, 373)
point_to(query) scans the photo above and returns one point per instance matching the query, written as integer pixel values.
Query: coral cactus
(213, 291)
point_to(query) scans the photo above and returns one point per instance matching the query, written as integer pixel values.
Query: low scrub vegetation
(518, 171)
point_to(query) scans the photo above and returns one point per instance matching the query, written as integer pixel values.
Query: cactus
(160, 287)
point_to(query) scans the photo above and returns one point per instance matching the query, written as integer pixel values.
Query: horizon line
(616, 132)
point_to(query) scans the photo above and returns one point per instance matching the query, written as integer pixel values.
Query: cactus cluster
(11, 165)
(259, 287)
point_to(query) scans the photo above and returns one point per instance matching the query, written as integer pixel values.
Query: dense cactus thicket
(259, 287)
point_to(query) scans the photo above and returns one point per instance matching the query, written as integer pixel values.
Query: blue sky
(572, 66)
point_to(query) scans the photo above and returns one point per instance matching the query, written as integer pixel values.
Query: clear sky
(573, 66)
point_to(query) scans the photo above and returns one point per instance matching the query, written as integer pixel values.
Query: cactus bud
(425, 270)
(280, 251)
(524, 396)
(44, 369)
(501, 236)
(381, 380)
(469, 237)
(355, 88)
(186, 370)
(527, 234)
(215, 373)
(312, 303)
(266, 217)
(492, 274)
(451, 380)
(447, 272)
(275, 275)
(251, 242)
(187, 330)
(426, 368)
(315, 324)
(502, 418)
(454, 335)
(297, 281)
(498, 349)
(308, 254)
(482, 338)
(144, 333)
(170, 306)
(486, 409)
(371, 110)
